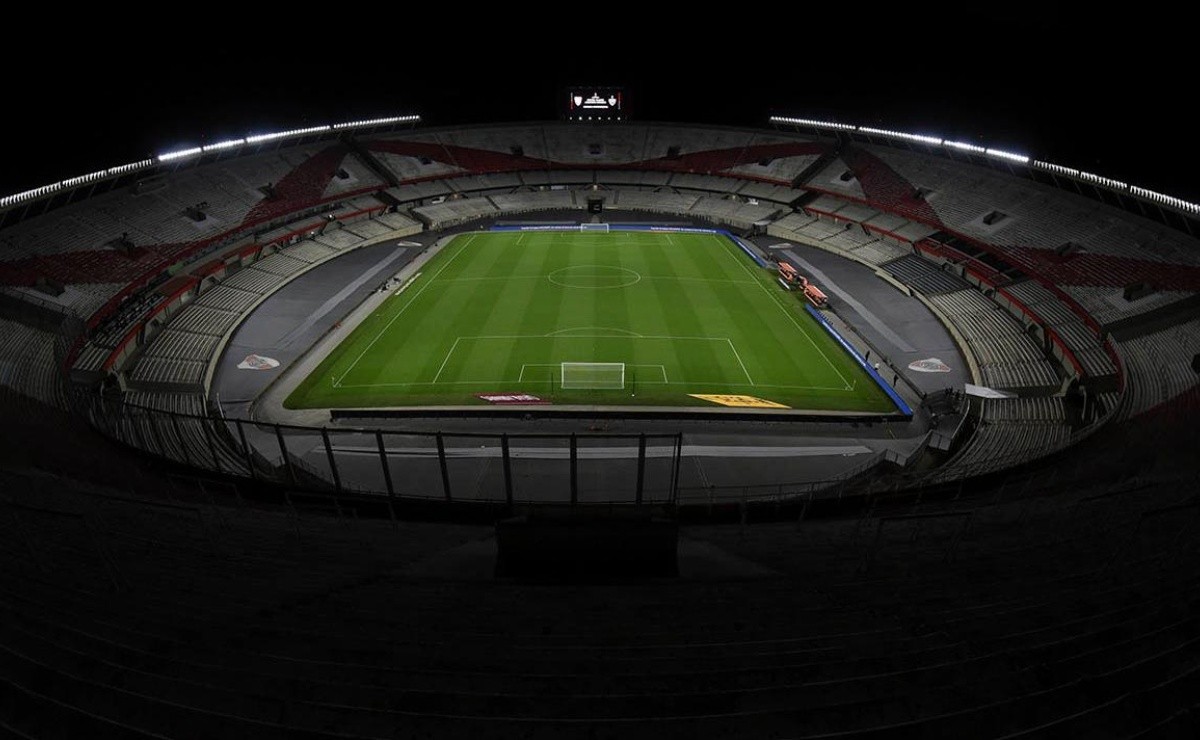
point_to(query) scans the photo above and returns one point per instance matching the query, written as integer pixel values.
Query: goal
(593, 227)
(593, 375)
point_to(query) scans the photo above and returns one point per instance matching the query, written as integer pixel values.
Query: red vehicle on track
(793, 280)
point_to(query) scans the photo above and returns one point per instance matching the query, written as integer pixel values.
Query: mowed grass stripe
(547, 292)
(819, 340)
(658, 303)
(380, 322)
(689, 312)
(491, 314)
(544, 259)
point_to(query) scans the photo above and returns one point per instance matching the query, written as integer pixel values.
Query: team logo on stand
(258, 362)
(932, 365)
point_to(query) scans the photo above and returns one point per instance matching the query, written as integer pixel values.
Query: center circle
(594, 276)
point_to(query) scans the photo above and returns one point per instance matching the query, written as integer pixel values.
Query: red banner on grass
(510, 398)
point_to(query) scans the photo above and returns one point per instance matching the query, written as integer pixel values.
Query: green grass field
(499, 312)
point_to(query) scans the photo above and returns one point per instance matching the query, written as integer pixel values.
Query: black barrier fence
(578, 469)
(513, 468)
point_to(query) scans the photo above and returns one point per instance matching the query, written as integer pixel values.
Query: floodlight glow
(376, 122)
(1164, 199)
(1057, 168)
(1008, 155)
(119, 169)
(1101, 180)
(265, 137)
(223, 145)
(900, 135)
(170, 156)
(283, 134)
(965, 146)
(27, 195)
(72, 182)
(814, 124)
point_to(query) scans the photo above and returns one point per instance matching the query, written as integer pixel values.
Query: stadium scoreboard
(583, 103)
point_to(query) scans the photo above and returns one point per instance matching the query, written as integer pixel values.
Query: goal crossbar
(592, 375)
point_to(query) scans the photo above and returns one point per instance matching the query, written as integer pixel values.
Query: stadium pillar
(441, 448)
(187, 457)
(675, 465)
(641, 474)
(246, 449)
(156, 428)
(387, 476)
(212, 447)
(287, 463)
(508, 491)
(333, 469)
(387, 471)
(574, 470)
(137, 431)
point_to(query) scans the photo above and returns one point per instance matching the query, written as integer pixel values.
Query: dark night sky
(1021, 76)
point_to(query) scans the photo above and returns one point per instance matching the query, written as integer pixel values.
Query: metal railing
(498, 467)
(509, 468)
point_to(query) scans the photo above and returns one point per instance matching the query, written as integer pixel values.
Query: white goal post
(593, 376)
(593, 227)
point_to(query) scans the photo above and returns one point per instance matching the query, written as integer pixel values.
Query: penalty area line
(447, 359)
(739, 359)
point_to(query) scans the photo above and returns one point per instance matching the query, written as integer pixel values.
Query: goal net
(594, 227)
(593, 375)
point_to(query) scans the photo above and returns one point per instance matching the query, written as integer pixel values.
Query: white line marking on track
(416, 295)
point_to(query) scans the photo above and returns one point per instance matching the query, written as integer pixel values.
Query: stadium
(598, 427)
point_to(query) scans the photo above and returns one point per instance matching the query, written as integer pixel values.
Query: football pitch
(640, 318)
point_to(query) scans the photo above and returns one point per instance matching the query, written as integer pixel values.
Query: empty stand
(924, 276)
(1008, 357)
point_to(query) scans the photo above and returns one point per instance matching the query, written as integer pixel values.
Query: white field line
(849, 386)
(553, 335)
(417, 295)
(788, 313)
(618, 332)
(663, 370)
(407, 283)
(691, 383)
(640, 278)
(443, 367)
(739, 359)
